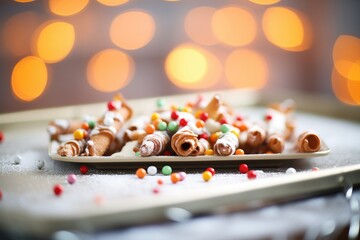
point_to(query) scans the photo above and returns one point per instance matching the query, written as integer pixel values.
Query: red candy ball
(1, 136)
(223, 121)
(174, 115)
(243, 168)
(1, 195)
(58, 189)
(268, 117)
(204, 116)
(239, 117)
(112, 105)
(204, 136)
(84, 169)
(251, 174)
(183, 122)
(211, 170)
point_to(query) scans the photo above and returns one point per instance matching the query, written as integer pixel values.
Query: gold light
(286, 29)
(17, 32)
(191, 67)
(198, 25)
(67, 7)
(246, 69)
(112, 3)
(132, 30)
(234, 26)
(110, 70)
(55, 41)
(346, 56)
(341, 88)
(264, 2)
(29, 78)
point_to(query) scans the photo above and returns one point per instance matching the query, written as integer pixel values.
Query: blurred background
(65, 52)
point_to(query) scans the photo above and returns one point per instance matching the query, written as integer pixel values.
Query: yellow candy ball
(79, 134)
(155, 116)
(207, 176)
(209, 152)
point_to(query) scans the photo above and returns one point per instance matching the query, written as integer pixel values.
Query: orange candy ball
(239, 151)
(141, 173)
(175, 177)
(214, 137)
(200, 124)
(149, 128)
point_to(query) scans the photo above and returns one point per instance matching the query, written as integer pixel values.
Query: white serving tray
(126, 158)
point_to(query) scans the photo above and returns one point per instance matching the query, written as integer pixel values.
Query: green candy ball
(166, 170)
(162, 126)
(172, 126)
(225, 128)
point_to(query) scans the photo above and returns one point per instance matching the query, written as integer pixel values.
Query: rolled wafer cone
(184, 142)
(275, 143)
(72, 148)
(202, 146)
(255, 136)
(154, 144)
(110, 124)
(60, 127)
(308, 141)
(226, 144)
(217, 109)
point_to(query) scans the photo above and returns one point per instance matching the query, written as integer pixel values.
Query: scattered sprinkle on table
(206, 175)
(71, 178)
(58, 189)
(84, 169)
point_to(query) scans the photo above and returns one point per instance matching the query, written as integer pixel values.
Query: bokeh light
(246, 69)
(287, 29)
(17, 32)
(110, 70)
(67, 7)
(29, 78)
(234, 26)
(340, 88)
(191, 67)
(132, 30)
(346, 57)
(54, 41)
(198, 25)
(112, 2)
(24, 1)
(264, 2)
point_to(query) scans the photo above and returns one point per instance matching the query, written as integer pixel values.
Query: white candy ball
(152, 170)
(108, 121)
(40, 164)
(17, 159)
(290, 171)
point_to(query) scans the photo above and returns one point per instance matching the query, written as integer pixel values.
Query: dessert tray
(126, 157)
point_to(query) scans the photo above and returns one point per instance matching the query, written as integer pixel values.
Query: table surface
(28, 198)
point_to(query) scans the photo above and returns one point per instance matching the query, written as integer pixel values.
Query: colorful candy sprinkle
(166, 170)
(137, 154)
(315, 169)
(114, 105)
(152, 170)
(204, 136)
(40, 164)
(79, 134)
(71, 178)
(84, 169)
(200, 124)
(1, 195)
(155, 116)
(140, 173)
(290, 171)
(156, 190)
(1, 136)
(85, 126)
(17, 159)
(209, 152)
(239, 151)
(58, 189)
(172, 126)
(183, 122)
(243, 168)
(182, 176)
(174, 115)
(251, 174)
(91, 124)
(204, 116)
(162, 126)
(224, 128)
(175, 177)
(149, 128)
(212, 170)
(160, 181)
(206, 175)
(160, 103)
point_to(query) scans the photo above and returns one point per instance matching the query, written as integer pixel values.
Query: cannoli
(217, 109)
(226, 144)
(102, 136)
(255, 136)
(276, 130)
(154, 144)
(202, 146)
(60, 127)
(185, 142)
(308, 141)
(72, 148)
(275, 143)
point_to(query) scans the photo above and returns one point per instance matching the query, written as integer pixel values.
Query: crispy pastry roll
(72, 148)
(226, 144)
(154, 144)
(255, 136)
(60, 127)
(185, 142)
(217, 109)
(308, 141)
